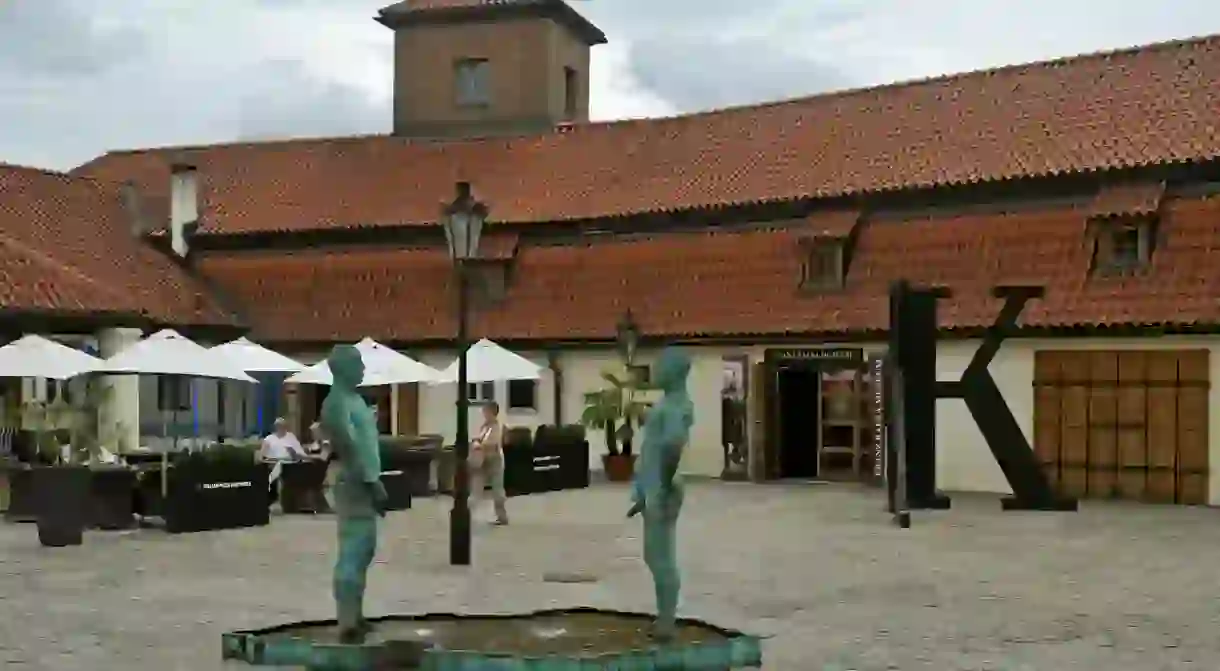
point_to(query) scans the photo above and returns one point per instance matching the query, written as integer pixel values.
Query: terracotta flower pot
(619, 468)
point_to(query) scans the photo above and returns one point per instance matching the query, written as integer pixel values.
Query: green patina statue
(359, 495)
(658, 491)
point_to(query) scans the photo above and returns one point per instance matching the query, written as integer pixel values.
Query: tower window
(472, 82)
(571, 92)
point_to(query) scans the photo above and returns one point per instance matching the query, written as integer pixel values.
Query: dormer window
(1123, 218)
(822, 267)
(1123, 244)
(1130, 245)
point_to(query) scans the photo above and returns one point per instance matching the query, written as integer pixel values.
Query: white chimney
(183, 204)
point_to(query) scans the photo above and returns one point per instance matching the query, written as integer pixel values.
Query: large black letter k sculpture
(913, 331)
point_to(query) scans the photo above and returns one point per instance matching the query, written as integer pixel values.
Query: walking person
(486, 463)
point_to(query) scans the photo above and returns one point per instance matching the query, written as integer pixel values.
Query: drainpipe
(552, 362)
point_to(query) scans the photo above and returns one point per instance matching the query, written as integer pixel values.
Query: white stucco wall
(582, 373)
(963, 461)
(438, 403)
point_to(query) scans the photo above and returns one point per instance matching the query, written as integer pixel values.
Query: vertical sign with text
(876, 369)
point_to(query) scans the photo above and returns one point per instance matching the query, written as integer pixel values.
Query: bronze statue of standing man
(359, 495)
(658, 490)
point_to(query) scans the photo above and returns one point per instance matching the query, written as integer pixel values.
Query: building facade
(740, 233)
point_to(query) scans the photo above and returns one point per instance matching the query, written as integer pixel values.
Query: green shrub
(223, 457)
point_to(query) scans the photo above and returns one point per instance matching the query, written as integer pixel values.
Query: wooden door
(1048, 414)
(1124, 424)
(1194, 386)
(1132, 435)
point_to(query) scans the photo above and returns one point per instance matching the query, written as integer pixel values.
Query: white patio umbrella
(488, 362)
(254, 358)
(169, 353)
(382, 365)
(36, 356)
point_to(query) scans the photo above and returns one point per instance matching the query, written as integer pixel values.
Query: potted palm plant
(60, 483)
(616, 410)
(111, 484)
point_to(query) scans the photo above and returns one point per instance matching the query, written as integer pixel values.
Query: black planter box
(557, 460)
(301, 487)
(112, 491)
(61, 496)
(22, 506)
(207, 499)
(148, 500)
(411, 458)
(112, 496)
(397, 485)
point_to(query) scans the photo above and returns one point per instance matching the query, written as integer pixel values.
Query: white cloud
(79, 77)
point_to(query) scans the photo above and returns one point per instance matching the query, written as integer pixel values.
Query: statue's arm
(368, 457)
(677, 435)
(338, 427)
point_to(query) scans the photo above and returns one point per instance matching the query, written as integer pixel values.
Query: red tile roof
(463, 10)
(1128, 198)
(742, 283)
(1139, 107)
(423, 5)
(66, 246)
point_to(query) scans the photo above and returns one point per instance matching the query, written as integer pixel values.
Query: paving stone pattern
(1116, 586)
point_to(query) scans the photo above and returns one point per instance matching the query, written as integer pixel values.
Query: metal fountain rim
(738, 650)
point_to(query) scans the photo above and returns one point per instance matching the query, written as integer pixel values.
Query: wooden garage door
(1123, 424)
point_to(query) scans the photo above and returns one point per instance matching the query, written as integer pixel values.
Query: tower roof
(424, 12)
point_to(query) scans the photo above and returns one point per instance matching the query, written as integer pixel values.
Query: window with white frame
(481, 392)
(522, 395)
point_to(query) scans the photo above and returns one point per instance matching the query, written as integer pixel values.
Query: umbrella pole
(164, 459)
(245, 413)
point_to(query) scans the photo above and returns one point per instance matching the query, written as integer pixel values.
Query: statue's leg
(357, 546)
(660, 554)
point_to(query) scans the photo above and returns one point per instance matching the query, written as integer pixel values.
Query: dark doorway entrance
(799, 395)
(808, 413)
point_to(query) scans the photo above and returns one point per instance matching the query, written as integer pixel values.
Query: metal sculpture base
(584, 639)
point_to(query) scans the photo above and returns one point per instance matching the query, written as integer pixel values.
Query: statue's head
(346, 366)
(671, 369)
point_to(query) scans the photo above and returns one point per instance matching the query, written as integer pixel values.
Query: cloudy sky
(79, 77)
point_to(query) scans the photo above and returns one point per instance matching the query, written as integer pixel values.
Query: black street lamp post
(628, 336)
(463, 220)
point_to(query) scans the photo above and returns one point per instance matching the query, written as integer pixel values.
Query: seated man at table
(280, 445)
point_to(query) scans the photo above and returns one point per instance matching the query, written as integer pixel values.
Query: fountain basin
(576, 639)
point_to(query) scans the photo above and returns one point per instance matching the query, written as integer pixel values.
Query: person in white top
(280, 445)
(486, 463)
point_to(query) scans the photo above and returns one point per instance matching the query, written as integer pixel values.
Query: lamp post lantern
(463, 220)
(628, 336)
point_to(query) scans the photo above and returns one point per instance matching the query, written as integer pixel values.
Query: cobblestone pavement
(1115, 587)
